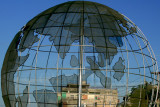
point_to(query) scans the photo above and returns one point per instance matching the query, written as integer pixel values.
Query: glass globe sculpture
(80, 54)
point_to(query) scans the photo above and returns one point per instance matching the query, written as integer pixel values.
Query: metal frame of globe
(15, 61)
(156, 73)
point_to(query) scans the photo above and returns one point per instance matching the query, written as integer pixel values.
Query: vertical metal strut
(81, 55)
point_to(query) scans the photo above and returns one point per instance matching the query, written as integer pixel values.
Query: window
(72, 96)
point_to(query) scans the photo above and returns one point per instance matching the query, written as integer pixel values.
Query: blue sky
(14, 14)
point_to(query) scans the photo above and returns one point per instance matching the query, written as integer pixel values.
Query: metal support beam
(81, 42)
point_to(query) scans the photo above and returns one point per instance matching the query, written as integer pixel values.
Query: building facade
(90, 97)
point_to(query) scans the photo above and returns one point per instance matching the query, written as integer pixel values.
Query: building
(90, 97)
